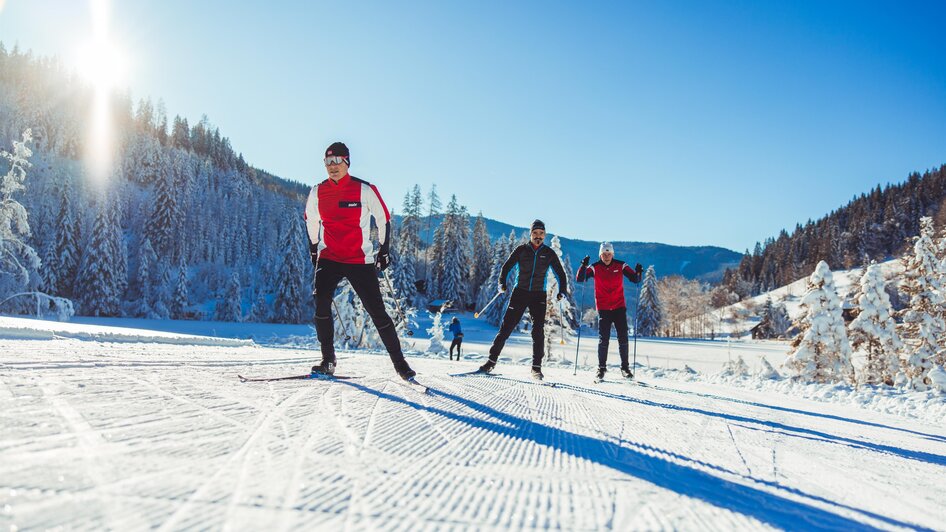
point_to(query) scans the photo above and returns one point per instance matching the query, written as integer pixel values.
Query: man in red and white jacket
(609, 274)
(338, 217)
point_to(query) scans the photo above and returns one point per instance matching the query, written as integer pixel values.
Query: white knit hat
(605, 246)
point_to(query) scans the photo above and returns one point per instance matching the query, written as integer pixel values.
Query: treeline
(874, 226)
(180, 228)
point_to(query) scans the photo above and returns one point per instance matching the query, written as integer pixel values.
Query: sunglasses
(337, 159)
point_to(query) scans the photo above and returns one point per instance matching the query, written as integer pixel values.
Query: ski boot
(537, 373)
(600, 375)
(324, 368)
(487, 367)
(404, 371)
(627, 373)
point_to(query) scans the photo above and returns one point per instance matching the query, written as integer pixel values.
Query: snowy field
(151, 434)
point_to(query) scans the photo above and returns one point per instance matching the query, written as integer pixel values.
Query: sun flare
(104, 67)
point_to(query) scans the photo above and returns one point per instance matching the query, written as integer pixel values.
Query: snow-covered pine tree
(649, 311)
(433, 209)
(143, 285)
(821, 351)
(488, 290)
(874, 339)
(494, 314)
(403, 274)
(161, 294)
(229, 308)
(180, 301)
(775, 320)
(117, 240)
(98, 285)
(482, 255)
(451, 255)
(781, 322)
(259, 312)
(923, 326)
(67, 242)
(18, 261)
(288, 305)
(393, 301)
(410, 222)
(436, 335)
(572, 315)
(559, 315)
(49, 269)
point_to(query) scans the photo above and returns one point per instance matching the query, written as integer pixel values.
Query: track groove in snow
(184, 445)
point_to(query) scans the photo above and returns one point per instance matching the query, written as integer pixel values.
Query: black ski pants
(518, 303)
(617, 317)
(364, 280)
(457, 342)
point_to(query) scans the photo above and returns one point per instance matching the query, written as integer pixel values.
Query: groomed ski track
(117, 436)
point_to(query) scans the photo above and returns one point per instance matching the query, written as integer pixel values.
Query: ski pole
(338, 315)
(397, 305)
(477, 314)
(578, 342)
(637, 302)
(561, 310)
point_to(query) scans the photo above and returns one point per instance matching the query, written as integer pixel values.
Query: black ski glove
(639, 269)
(314, 254)
(561, 296)
(586, 260)
(382, 262)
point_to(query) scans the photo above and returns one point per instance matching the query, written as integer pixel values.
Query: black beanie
(538, 224)
(338, 149)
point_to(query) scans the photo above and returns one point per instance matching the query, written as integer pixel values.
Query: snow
(30, 329)
(119, 435)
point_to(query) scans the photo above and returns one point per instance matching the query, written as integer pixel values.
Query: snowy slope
(742, 316)
(126, 436)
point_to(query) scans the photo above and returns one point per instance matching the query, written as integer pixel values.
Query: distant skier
(338, 219)
(457, 337)
(609, 274)
(531, 262)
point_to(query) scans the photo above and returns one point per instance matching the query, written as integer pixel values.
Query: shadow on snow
(765, 506)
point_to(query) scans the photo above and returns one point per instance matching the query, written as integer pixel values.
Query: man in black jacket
(531, 262)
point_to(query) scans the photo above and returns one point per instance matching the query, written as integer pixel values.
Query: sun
(102, 65)
(100, 61)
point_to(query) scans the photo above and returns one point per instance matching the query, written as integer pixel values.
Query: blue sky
(687, 123)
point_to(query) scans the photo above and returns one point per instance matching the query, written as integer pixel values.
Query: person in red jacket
(609, 274)
(338, 217)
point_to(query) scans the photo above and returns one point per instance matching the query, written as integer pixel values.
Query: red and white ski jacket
(338, 219)
(609, 282)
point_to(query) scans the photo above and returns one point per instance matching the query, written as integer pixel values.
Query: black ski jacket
(531, 267)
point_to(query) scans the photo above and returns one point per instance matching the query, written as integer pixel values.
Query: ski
(475, 372)
(414, 385)
(307, 376)
(632, 382)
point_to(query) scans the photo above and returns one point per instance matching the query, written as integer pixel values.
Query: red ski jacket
(338, 219)
(609, 282)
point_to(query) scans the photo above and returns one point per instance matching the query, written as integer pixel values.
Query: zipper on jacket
(535, 256)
